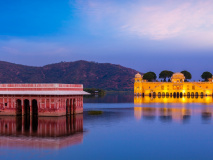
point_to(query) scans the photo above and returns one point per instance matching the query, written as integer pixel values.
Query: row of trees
(166, 76)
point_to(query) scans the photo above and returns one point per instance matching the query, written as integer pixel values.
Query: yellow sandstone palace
(177, 87)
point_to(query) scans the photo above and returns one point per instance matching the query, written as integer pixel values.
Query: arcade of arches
(139, 100)
(177, 87)
(41, 105)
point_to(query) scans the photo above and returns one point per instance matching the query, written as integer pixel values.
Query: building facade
(41, 99)
(177, 87)
(140, 100)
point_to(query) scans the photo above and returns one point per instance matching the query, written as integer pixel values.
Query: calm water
(160, 128)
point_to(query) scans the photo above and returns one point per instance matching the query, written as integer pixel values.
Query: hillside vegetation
(92, 75)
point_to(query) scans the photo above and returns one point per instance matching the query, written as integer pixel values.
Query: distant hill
(92, 75)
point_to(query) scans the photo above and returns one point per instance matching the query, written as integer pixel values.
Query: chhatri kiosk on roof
(177, 87)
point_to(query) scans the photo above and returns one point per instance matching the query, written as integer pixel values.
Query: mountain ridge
(91, 74)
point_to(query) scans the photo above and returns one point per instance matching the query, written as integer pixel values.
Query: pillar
(22, 106)
(68, 106)
(71, 105)
(74, 106)
(31, 110)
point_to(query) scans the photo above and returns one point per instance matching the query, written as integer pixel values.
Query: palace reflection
(167, 99)
(41, 132)
(171, 112)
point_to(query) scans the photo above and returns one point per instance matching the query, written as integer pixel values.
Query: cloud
(27, 47)
(155, 20)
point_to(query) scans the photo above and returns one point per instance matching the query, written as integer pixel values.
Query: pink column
(22, 106)
(71, 105)
(31, 110)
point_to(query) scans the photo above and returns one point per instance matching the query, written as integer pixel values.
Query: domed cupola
(138, 78)
(138, 75)
(178, 77)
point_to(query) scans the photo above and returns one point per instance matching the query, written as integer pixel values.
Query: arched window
(34, 107)
(18, 107)
(26, 107)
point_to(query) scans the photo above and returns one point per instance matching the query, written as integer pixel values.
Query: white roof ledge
(44, 93)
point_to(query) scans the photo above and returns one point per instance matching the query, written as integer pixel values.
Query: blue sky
(145, 35)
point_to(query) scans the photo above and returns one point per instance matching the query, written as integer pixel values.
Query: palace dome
(178, 76)
(138, 75)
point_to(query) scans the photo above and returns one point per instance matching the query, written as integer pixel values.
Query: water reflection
(164, 114)
(111, 97)
(190, 99)
(41, 132)
(167, 114)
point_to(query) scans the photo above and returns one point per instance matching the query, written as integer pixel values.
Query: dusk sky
(146, 35)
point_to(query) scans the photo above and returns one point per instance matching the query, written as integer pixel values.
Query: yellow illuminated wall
(177, 87)
(139, 100)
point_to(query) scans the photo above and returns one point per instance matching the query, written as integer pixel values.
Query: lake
(129, 128)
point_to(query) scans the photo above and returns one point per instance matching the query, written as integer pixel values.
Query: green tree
(155, 76)
(149, 76)
(165, 74)
(170, 73)
(187, 75)
(206, 76)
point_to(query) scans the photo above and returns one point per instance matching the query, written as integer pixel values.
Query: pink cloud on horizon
(166, 20)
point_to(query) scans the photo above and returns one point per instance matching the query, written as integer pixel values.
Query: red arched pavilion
(41, 99)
